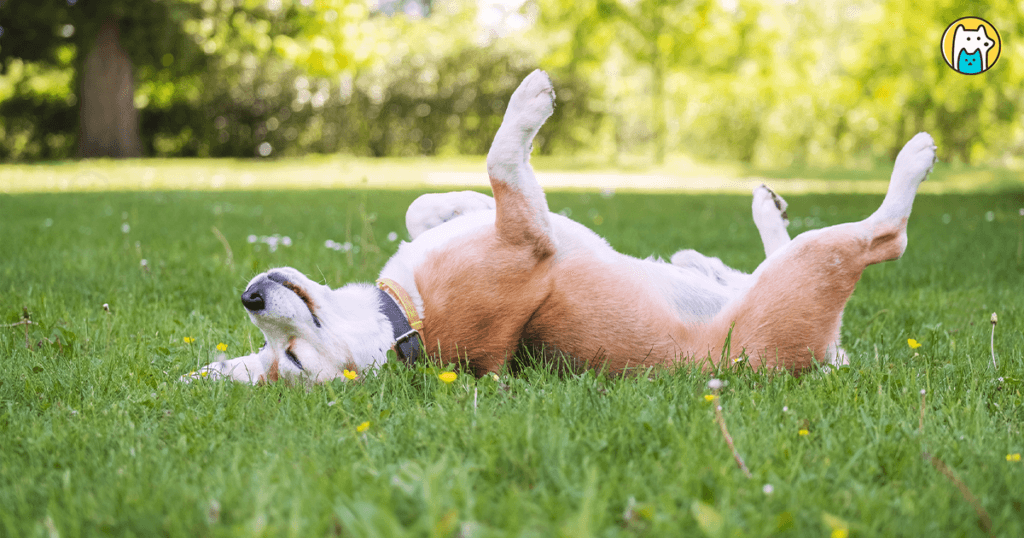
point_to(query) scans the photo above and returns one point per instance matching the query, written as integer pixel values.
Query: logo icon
(971, 45)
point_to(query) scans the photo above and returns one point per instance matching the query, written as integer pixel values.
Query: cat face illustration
(969, 64)
(970, 49)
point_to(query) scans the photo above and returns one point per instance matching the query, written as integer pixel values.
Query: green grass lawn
(97, 437)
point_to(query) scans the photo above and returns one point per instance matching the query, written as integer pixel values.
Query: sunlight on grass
(334, 172)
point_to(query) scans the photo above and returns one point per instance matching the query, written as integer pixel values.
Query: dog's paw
(533, 102)
(915, 160)
(203, 373)
(769, 208)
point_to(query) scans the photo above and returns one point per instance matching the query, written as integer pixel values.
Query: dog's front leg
(501, 273)
(249, 368)
(433, 209)
(522, 210)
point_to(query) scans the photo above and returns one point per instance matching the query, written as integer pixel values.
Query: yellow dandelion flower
(363, 427)
(1013, 457)
(447, 377)
(840, 533)
(350, 374)
(222, 347)
(494, 377)
(709, 397)
(914, 344)
(189, 339)
(803, 431)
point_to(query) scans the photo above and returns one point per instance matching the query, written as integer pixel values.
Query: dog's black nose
(252, 300)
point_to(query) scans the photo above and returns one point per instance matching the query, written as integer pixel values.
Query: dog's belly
(609, 315)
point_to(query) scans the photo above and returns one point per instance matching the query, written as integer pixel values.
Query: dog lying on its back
(482, 277)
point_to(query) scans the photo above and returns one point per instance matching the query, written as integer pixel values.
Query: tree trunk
(109, 123)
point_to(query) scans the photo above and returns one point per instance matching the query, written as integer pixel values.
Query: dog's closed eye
(294, 358)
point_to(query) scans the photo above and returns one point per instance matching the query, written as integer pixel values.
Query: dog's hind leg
(791, 314)
(522, 210)
(770, 217)
(433, 209)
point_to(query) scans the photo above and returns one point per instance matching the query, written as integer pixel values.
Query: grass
(679, 174)
(97, 437)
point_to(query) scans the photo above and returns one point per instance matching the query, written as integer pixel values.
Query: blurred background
(766, 83)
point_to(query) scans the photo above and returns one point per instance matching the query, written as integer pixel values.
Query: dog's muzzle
(252, 299)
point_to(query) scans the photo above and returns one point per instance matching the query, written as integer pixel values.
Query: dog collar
(397, 306)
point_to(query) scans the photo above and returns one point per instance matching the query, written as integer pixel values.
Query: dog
(483, 278)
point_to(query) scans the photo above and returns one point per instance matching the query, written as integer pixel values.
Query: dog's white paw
(203, 373)
(915, 161)
(769, 208)
(533, 102)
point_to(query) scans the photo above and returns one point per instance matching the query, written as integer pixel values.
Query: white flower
(768, 489)
(125, 228)
(286, 241)
(785, 409)
(715, 384)
(331, 403)
(329, 244)
(143, 262)
(251, 239)
(392, 236)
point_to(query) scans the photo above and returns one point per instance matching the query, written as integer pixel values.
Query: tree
(100, 44)
(108, 121)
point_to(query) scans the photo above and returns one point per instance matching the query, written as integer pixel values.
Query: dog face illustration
(970, 49)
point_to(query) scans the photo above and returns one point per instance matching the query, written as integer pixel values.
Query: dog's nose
(252, 300)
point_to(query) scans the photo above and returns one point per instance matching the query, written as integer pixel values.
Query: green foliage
(99, 437)
(767, 83)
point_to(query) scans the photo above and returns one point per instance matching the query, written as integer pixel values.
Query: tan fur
(273, 374)
(497, 293)
(302, 295)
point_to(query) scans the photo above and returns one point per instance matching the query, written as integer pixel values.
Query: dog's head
(311, 330)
